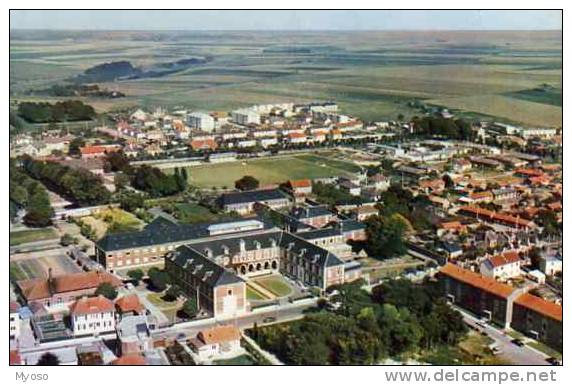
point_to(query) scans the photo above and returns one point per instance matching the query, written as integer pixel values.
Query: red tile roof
(15, 358)
(129, 303)
(528, 172)
(14, 306)
(130, 359)
(541, 306)
(92, 305)
(494, 216)
(200, 144)
(504, 259)
(300, 183)
(476, 280)
(219, 334)
(39, 288)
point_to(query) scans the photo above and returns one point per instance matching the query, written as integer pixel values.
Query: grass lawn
(194, 213)
(240, 360)
(267, 171)
(157, 300)
(276, 285)
(25, 236)
(253, 295)
(472, 350)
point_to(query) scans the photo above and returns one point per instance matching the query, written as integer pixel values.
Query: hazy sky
(286, 20)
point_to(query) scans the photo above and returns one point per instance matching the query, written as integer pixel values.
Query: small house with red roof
(502, 267)
(92, 316)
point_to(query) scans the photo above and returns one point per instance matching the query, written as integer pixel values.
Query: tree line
(77, 185)
(448, 128)
(146, 178)
(64, 111)
(399, 318)
(29, 194)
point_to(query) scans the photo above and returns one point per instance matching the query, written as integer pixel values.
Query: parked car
(518, 342)
(267, 320)
(553, 361)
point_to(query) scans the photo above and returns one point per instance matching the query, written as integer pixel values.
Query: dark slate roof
(320, 233)
(352, 225)
(312, 252)
(451, 247)
(162, 222)
(160, 231)
(310, 212)
(233, 243)
(202, 267)
(251, 196)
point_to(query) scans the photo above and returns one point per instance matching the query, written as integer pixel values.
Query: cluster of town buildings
(487, 206)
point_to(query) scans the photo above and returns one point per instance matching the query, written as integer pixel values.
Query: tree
(135, 274)
(385, 236)
(75, 145)
(131, 201)
(48, 359)
(190, 308)
(246, 183)
(159, 279)
(172, 293)
(67, 240)
(107, 290)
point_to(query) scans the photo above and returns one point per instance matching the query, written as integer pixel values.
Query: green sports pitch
(269, 170)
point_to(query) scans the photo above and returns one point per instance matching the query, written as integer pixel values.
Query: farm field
(267, 171)
(25, 236)
(373, 75)
(38, 267)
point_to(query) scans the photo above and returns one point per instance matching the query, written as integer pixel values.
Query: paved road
(524, 355)
(286, 313)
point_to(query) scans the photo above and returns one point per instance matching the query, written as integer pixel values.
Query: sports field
(24, 236)
(268, 171)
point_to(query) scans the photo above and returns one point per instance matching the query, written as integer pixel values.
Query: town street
(520, 355)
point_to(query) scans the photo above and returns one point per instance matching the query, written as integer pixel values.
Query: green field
(371, 74)
(253, 295)
(194, 213)
(25, 236)
(275, 284)
(267, 171)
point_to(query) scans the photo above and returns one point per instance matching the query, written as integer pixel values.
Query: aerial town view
(389, 195)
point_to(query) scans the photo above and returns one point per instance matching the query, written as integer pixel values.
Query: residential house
(504, 266)
(92, 316)
(134, 334)
(217, 342)
(129, 305)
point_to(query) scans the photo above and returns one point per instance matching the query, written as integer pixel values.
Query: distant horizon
(286, 30)
(286, 20)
